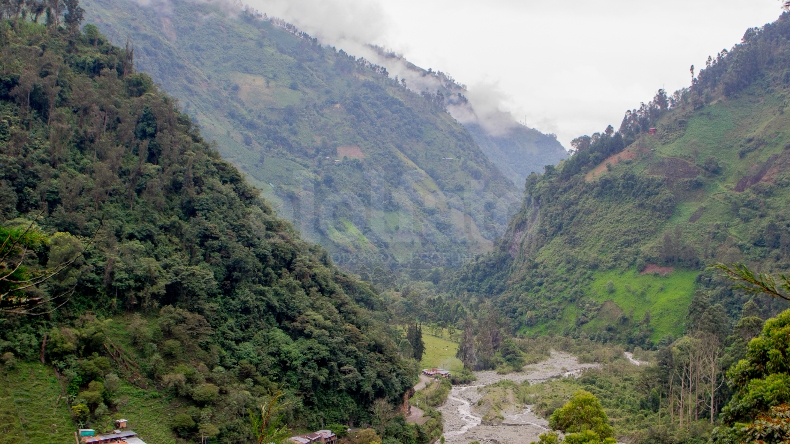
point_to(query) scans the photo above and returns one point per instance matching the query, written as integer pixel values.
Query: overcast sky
(569, 68)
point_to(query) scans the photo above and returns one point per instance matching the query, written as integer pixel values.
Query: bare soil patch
(352, 152)
(697, 214)
(655, 269)
(758, 173)
(627, 154)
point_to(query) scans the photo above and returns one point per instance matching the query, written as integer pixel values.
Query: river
(462, 425)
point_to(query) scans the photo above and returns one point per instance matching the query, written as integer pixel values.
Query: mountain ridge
(688, 180)
(191, 291)
(433, 192)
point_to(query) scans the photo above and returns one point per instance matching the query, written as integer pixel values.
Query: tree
(267, 427)
(53, 12)
(582, 414)
(205, 393)
(367, 436)
(414, 336)
(759, 410)
(582, 143)
(183, 424)
(74, 16)
(382, 413)
(757, 283)
(466, 348)
(21, 276)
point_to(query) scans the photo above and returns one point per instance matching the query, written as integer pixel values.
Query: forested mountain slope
(614, 242)
(188, 287)
(376, 173)
(520, 151)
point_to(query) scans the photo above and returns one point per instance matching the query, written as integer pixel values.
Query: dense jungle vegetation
(381, 176)
(615, 242)
(142, 275)
(615, 245)
(167, 288)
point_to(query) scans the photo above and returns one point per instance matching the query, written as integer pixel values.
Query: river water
(462, 425)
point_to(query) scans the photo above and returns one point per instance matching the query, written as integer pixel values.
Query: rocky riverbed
(463, 425)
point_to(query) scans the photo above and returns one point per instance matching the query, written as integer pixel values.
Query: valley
(381, 176)
(464, 420)
(230, 231)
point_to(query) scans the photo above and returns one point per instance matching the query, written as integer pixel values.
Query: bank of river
(463, 425)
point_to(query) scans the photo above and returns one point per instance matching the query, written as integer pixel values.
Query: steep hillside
(519, 151)
(188, 286)
(377, 174)
(514, 148)
(615, 241)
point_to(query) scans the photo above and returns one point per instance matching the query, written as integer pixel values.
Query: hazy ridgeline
(357, 150)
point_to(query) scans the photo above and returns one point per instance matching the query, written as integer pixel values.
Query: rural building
(117, 437)
(436, 372)
(320, 437)
(651, 131)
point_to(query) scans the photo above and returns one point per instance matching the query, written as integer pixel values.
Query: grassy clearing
(665, 297)
(149, 413)
(32, 408)
(440, 352)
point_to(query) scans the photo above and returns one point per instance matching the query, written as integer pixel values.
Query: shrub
(112, 383)
(367, 436)
(205, 393)
(9, 360)
(582, 413)
(465, 376)
(209, 430)
(183, 425)
(172, 348)
(81, 412)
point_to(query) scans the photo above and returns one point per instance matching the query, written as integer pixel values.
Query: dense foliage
(613, 243)
(381, 176)
(228, 302)
(583, 420)
(758, 410)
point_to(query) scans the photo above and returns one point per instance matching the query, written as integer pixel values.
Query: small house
(319, 437)
(652, 131)
(436, 372)
(120, 423)
(117, 437)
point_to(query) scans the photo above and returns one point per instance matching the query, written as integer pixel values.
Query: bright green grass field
(666, 298)
(32, 409)
(440, 353)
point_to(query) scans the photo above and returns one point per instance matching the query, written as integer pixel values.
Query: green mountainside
(614, 243)
(379, 175)
(186, 301)
(514, 148)
(519, 152)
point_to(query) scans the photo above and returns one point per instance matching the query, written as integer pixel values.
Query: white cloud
(569, 67)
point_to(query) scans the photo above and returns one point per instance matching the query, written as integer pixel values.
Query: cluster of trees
(485, 345)
(734, 70)
(582, 420)
(687, 384)
(414, 340)
(572, 225)
(56, 12)
(123, 190)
